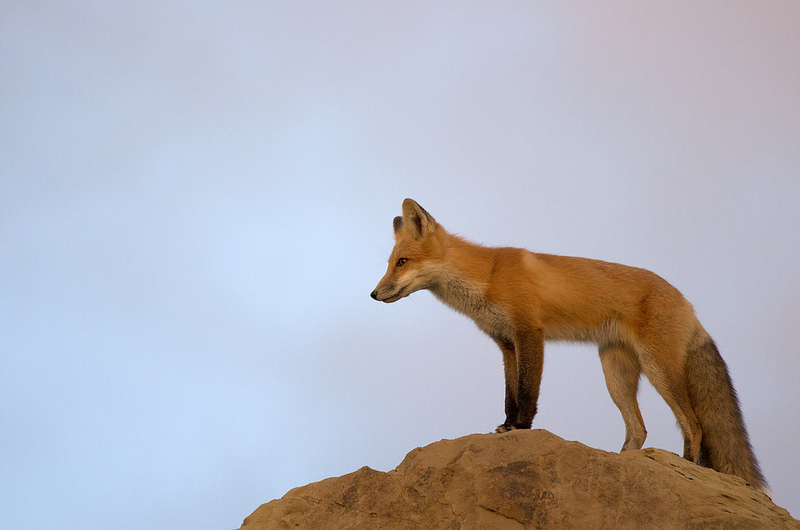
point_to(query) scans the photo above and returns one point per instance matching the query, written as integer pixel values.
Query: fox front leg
(510, 369)
(522, 362)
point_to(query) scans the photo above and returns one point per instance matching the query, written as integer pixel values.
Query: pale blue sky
(196, 201)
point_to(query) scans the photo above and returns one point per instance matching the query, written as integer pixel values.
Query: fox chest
(490, 318)
(495, 322)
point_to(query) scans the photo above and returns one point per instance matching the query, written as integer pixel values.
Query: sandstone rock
(525, 479)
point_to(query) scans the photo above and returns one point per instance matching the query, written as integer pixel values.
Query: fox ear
(398, 224)
(420, 222)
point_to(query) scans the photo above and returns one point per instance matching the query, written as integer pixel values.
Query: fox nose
(374, 294)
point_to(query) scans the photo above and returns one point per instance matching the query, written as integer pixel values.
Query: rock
(525, 479)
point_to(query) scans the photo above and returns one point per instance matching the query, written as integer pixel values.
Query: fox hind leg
(621, 369)
(670, 382)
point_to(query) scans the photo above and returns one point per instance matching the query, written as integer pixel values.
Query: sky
(196, 200)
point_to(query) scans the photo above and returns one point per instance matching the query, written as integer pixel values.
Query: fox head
(415, 258)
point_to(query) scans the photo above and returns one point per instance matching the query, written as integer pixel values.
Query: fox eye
(401, 262)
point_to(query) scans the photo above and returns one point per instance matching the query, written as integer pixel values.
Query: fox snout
(375, 296)
(381, 295)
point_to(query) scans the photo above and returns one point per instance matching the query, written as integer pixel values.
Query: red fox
(640, 322)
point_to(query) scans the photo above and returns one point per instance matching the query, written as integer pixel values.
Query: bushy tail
(725, 446)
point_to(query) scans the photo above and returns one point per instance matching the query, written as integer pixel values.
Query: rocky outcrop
(525, 479)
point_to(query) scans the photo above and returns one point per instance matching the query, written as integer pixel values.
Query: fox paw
(504, 428)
